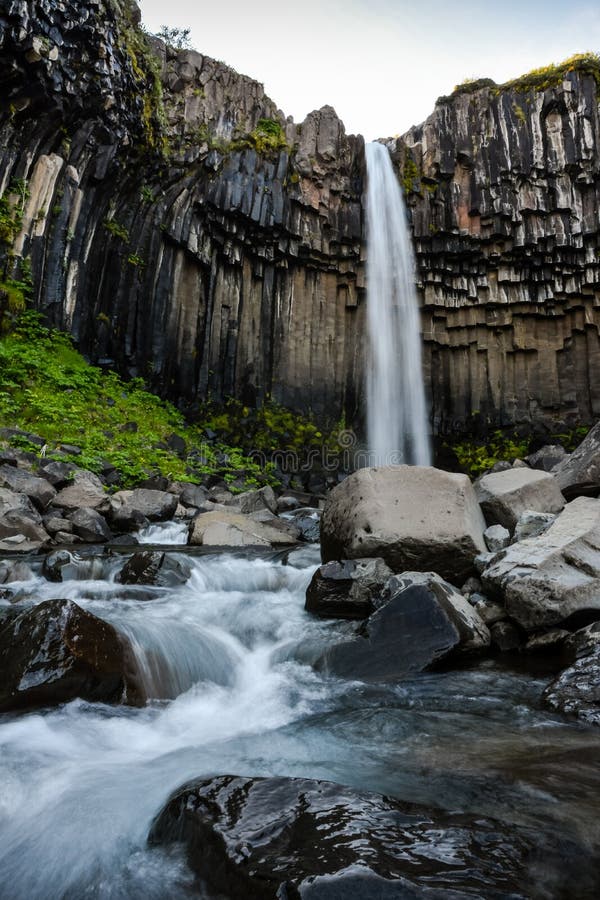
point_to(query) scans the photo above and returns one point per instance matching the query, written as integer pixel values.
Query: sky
(380, 64)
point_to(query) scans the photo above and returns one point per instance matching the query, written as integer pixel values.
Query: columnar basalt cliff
(504, 188)
(184, 230)
(177, 224)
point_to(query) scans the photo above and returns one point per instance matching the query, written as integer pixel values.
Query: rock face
(291, 837)
(579, 473)
(412, 517)
(504, 496)
(215, 265)
(547, 578)
(348, 589)
(57, 651)
(424, 621)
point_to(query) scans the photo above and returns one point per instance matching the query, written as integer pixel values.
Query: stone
(287, 504)
(81, 495)
(193, 495)
(90, 526)
(285, 526)
(576, 691)
(347, 590)
(65, 537)
(422, 622)
(54, 563)
(230, 529)
(294, 837)
(16, 522)
(547, 641)
(19, 543)
(155, 568)
(53, 524)
(14, 570)
(59, 474)
(532, 523)
(505, 495)
(57, 651)
(11, 501)
(546, 579)
(308, 522)
(154, 506)
(547, 457)
(505, 636)
(496, 537)
(579, 474)
(37, 489)
(471, 586)
(264, 498)
(413, 517)
(489, 611)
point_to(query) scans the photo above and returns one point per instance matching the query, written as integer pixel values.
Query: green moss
(118, 231)
(47, 387)
(12, 206)
(268, 139)
(411, 177)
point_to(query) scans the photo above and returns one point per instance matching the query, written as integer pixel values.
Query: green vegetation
(537, 80)
(12, 206)
(268, 138)
(176, 37)
(47, 387)
(118, 231)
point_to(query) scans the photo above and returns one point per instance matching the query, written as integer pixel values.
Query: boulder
(413, 517)
(264, 498)
(576, 691)
(10, 500)
(152, 505)
(505, 636)
(496, 537)
(547, 578)
(531, 524)
(90, 526)
(55, 563)
(489, 611)
(16, 522)
(155, 568)
(83, 494)
(547, 457)
(14, 570)
(423, 621)
(39, 491)
(348, 589)
(59, 474)
(19, 543)
(505, 495)
(231, 529)
(58, 651)
(579, 474)
(54, 523)
(193, 495)
(297, 838)
(308, 522)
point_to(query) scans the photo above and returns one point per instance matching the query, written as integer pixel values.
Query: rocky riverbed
(198, 698)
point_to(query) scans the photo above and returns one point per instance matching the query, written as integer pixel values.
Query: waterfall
(397, 423)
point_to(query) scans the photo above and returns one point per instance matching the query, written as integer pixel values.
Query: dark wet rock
(154, 568)
(59, 474)
(505, 636)
(66, 537)
(547, 641)
(308, 521)
(90, 526)
(489, 611)
(576, 691)
(151, 505)
(579, 474)
(54, 564)
(423, 621)
(54, 523)
(58, 651)
(545, 579)
(415, 518)
(39, 491)
(547, 457)
(348, 589)
(313, 840)
(123, 540)
(287, 504)
(471, 586)
(505, 495)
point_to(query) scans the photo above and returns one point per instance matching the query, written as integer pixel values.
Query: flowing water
(397, 421)
(227, 657)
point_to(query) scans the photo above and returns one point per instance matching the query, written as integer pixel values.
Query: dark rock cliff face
(504, 190)
(174, 243)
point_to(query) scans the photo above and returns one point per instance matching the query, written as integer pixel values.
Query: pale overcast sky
(380, 63)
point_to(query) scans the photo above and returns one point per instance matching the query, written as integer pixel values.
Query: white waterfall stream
(397, 422)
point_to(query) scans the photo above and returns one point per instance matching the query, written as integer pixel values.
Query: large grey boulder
(232, 529)
(547, 578)
(423, 621)
(579, 474)
(10, 500)
(576, 691)
(347, 589)
(153, 506)
(413, 517)
(83, 494)
(263, 498)
(90, 526)
(39, 491)
(547, 457)
(505, 495)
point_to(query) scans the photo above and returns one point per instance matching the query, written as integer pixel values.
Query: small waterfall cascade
(396, 417)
